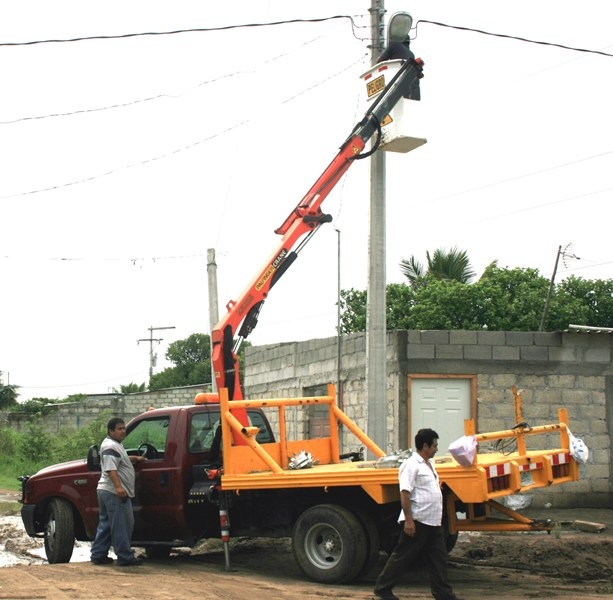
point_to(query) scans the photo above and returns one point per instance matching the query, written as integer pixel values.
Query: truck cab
(180, 444)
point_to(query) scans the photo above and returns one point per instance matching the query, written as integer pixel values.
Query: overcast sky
(124, 160)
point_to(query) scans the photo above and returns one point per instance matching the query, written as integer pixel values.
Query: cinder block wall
(74, 415)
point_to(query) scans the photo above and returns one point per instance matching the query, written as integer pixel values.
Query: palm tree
(130, 388)
(452, 265)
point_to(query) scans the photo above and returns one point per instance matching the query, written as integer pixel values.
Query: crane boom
(302, 222)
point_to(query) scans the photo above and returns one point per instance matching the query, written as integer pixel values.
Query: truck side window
(264, 436)
(148, 437)
(202, 431)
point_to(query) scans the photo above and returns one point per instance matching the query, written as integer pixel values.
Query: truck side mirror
(93, 458)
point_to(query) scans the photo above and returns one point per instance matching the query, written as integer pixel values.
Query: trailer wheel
(329, 544)
(59, 531)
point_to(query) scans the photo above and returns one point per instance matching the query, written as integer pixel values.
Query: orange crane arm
(304, 220)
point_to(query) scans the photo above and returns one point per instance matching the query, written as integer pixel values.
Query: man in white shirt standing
(421, 514)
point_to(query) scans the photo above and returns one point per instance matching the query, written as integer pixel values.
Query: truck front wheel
(59, 531)
(329, 544)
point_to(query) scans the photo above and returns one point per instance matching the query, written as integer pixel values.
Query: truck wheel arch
(59, 531)
(329, 544)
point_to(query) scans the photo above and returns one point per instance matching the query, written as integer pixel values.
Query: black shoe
(388, 595)
(103, 560)
(130, 563)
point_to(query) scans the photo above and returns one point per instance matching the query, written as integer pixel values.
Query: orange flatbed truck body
(253, 466)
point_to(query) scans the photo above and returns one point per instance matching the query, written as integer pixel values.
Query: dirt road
(567, 564)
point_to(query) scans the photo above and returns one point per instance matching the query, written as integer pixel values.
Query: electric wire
(174, 151)
(156, 96)
(183, 31)
(513, 37)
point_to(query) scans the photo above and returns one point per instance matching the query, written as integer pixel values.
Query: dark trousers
(428, 543)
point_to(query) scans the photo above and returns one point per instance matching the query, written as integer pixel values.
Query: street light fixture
(399, 27)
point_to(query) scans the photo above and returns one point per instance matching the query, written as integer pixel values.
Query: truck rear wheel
(329, 544)
(59, 531)
(373, 540)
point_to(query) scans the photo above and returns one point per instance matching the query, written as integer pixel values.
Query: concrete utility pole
(376, 367)
(151, 339)
(211, 269)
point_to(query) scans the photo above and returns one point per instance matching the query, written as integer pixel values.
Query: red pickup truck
(171, 507)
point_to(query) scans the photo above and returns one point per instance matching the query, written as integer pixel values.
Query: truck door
(158, 505)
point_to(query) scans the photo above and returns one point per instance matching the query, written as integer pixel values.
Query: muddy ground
(566, 564)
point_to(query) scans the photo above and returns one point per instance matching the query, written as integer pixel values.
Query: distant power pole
(151, 339)
(564, 254)
(211, 269)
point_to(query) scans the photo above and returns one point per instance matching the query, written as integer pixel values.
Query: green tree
(353, 310)
(586, 302)
(36, 406)
(510, 299)
(191, 358)
(445, 265)
(400, 299)
(8, 395)
(502, 300)
(444, 304)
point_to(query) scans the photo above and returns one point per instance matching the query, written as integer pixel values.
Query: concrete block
(563, 354)
(477, 352)
(542, 338)
(491, 338)
(420, 351)
(463, 337)
(435, 337)
(597, 355)
(587, 526)
(505, 353)
(536, 353)
(519, 338)
(449, 352)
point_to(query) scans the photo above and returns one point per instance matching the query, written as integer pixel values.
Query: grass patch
(9, 482)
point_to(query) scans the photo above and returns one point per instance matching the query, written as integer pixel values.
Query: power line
(182, 31)
(522, 176)
(133, 260)
(152, 98)
(171, 152)
(118, 105)
(514, 37)
(127, 166)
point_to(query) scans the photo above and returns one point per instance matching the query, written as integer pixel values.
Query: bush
(26, 452)
(74, 444)
(8, 442)
(36, 444)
